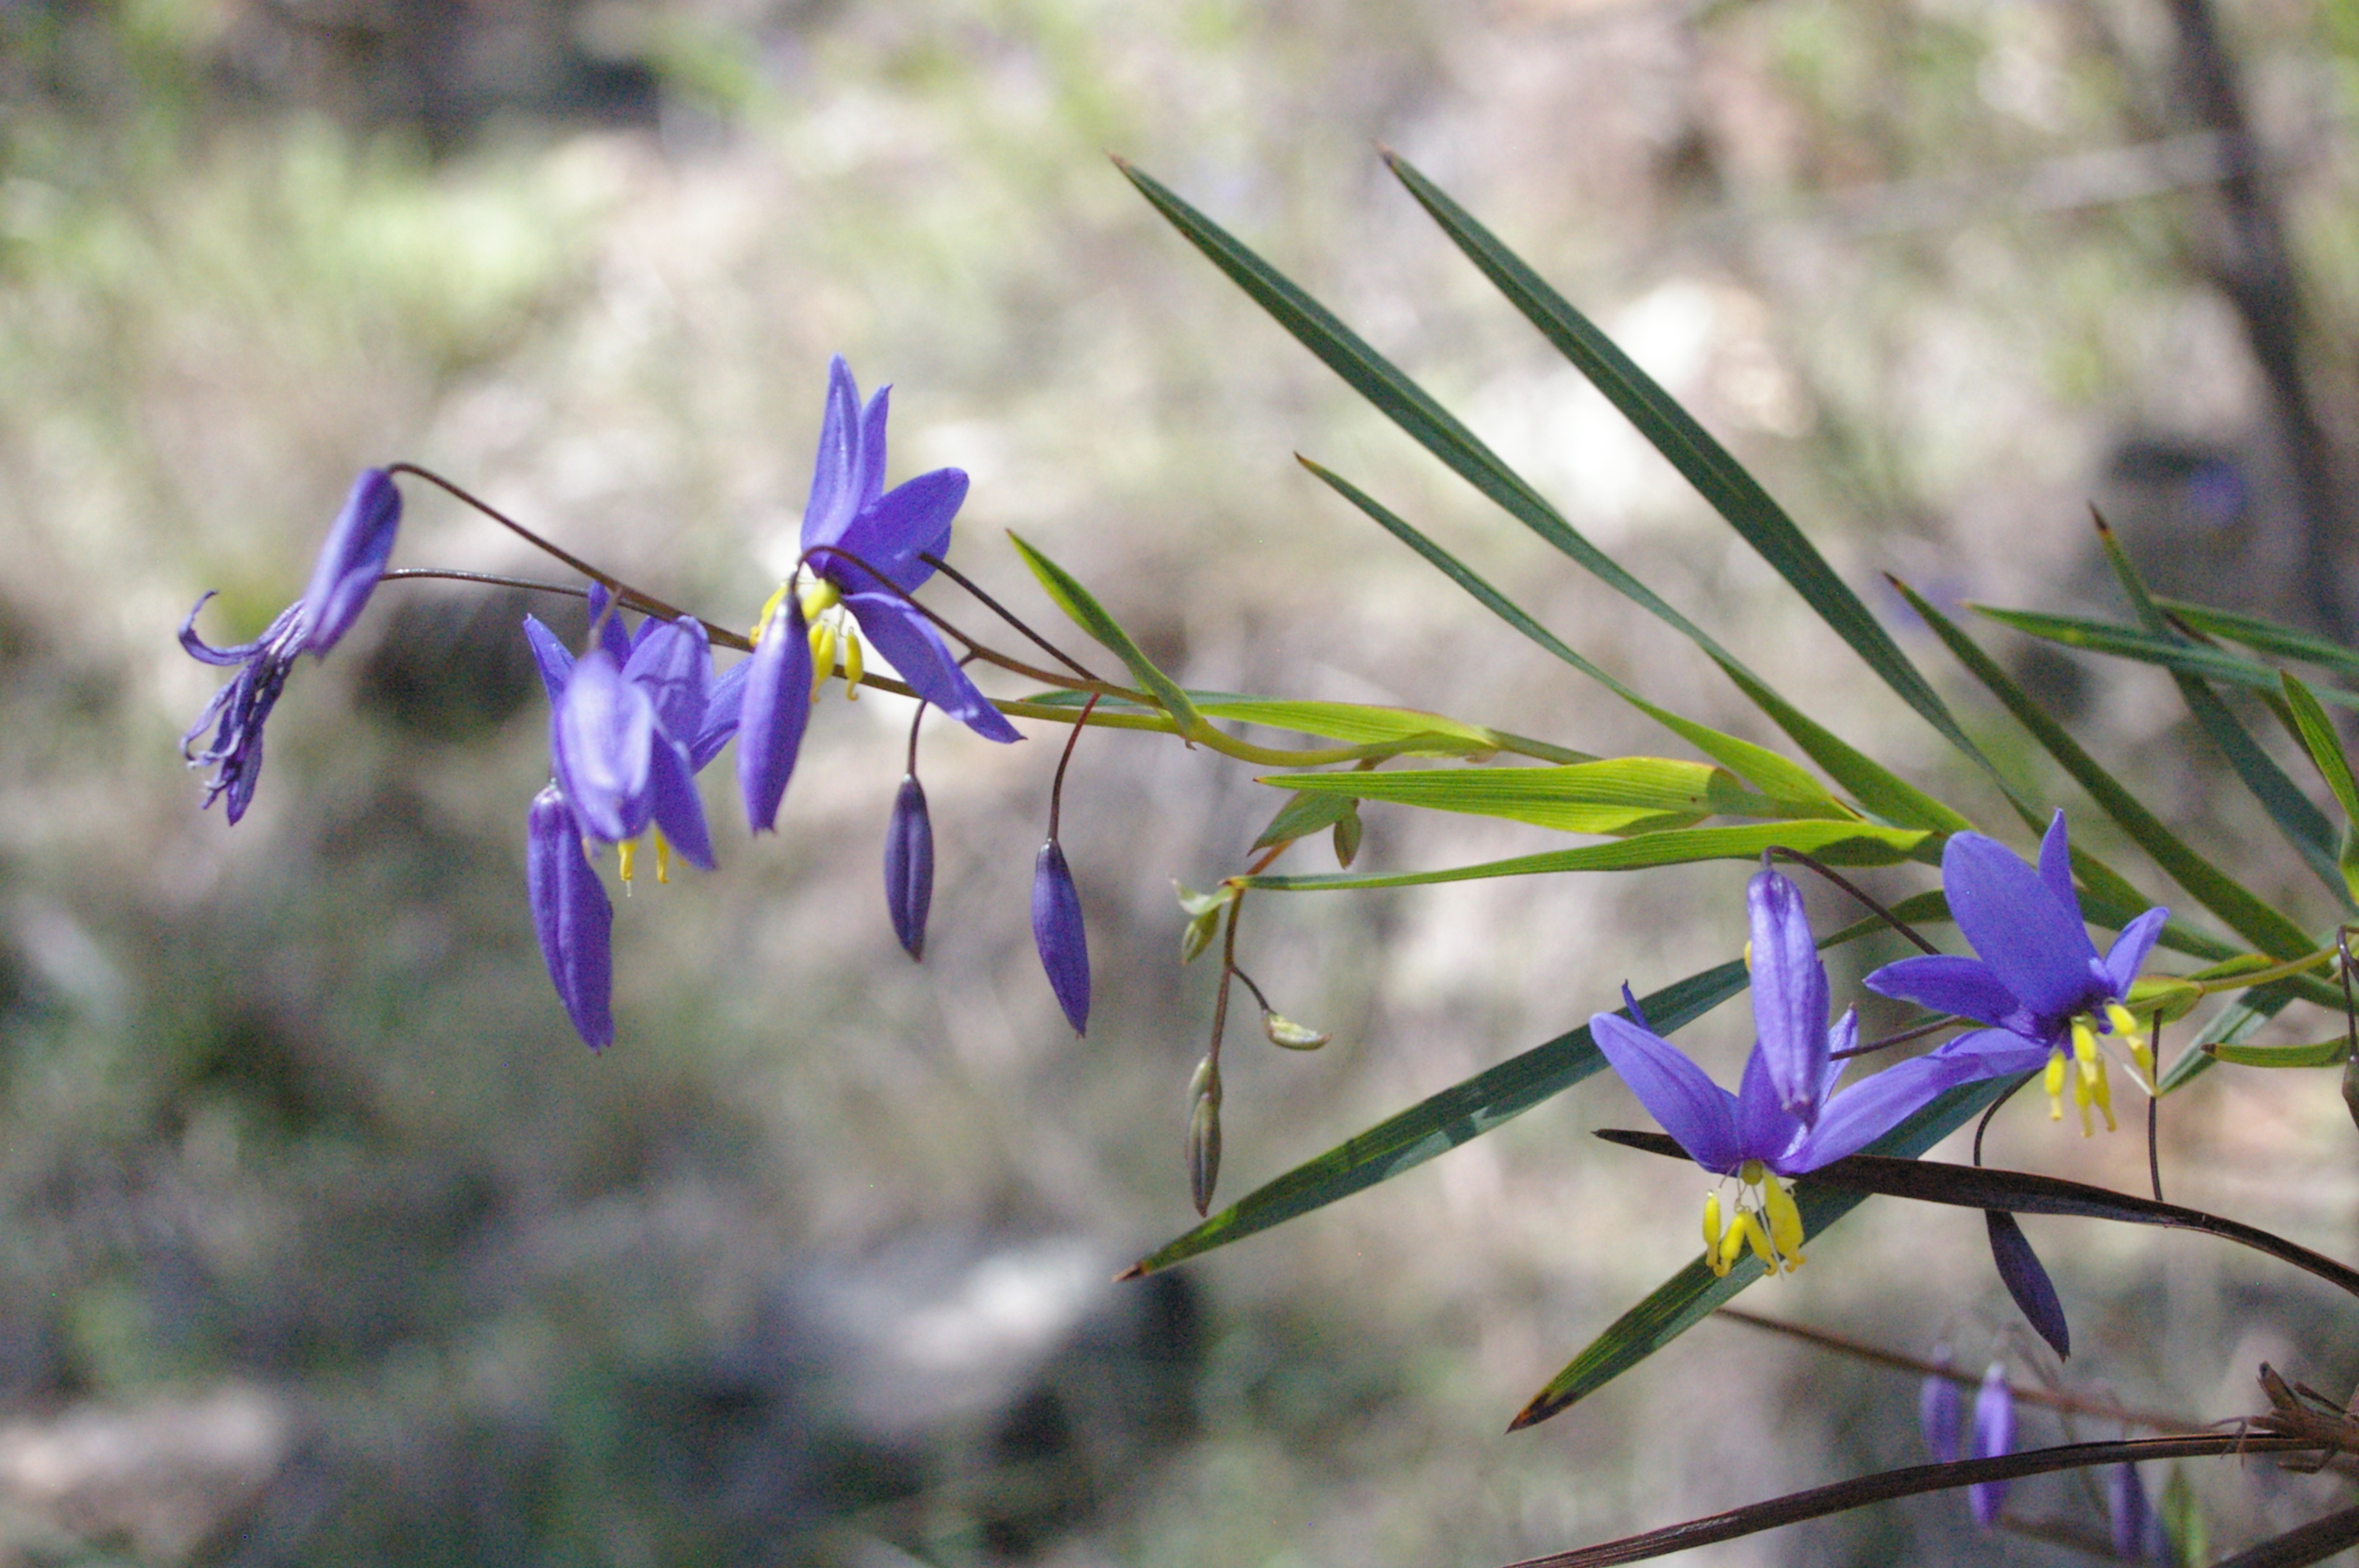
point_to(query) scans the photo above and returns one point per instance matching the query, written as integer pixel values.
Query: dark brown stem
(1005, 614)
(1846, 884)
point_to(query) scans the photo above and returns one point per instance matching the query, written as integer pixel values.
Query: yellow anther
(822, 657)
(1748, 956)
(2084, 1041)
(2102, 1093)
(851, 665)
(1711, 1224)
(1785, 1221)
(1749, 1226)
(628, 854)
(819, 597)
(1732, 1247)
(662, 858)
(2053, 1083)
(769, 607)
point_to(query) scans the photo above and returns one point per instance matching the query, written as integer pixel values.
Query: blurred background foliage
(325, 1242)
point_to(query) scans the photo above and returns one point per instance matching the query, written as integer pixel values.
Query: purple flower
(863, 546)
(2137, 1529)
(1994, 1435)
(1064, 949)
(632, 722)
(2037, 982)
(351, 563)
(1787, 1117)
(909, 866)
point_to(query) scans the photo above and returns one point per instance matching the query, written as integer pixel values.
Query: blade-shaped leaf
(1691, 1295)
(2315, 1542)
(1439, 1123)
(1758, 766)
(2146, 647)
(1842, 844)
(2251, 919)
(2233, 1027)
(1871, 783)
(2304, 826)
(1304, 813)
(2324, 1053)
(1608, 796)
(1092, 617)
(1703, 461)
(2266, 637)
(2324, 746)
(1414, 732)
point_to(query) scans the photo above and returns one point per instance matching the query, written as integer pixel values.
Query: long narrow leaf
(1439, 1123)
(2267, 636)
(1842, 843)
(2247, 915)
(1692, 1293)
(1093, 617)
(2146, 647)
(1612, 795)
(1703, 461)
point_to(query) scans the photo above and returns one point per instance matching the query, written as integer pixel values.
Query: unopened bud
(1348, 836)
(1293, 1036)
(1204, 1150)
(909, 866)
(1205, 1084)
(1938, 1407)
(1994, 1435)
(1057, 932)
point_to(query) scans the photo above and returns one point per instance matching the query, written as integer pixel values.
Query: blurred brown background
(325, 1242)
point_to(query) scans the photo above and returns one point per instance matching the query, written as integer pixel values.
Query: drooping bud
(2136, 1528)
(909, 866)
(776, 710)
(1292, 1036)
(1938, 1407)
(572, 916)
(1204, 1134)
(1348, 836)
(1058, 933)
(1994, 1435)
(2027, 1281)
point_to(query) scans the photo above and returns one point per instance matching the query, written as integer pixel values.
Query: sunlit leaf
(1092, 617)
(1590, 797)
(1842, 843)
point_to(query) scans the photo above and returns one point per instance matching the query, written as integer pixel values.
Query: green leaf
(1842, 844)
(2320, 740)
(2232, 1026)
(2251, 919)
(1768, 772)
(1416, 733)
(1305, 812)
(2302, 823)
(1091, 616)
(2146, 647)
(1692, 1293)
(1439, 1123)
(2266, 637)
(1871, 783)
(1613, 796)
(1703, 461)
(2324, 1053)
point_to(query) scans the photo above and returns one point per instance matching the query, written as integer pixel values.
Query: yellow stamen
(822, 657)
(1786, 1222)
(1711, 1224)
(2053, 1083)
(851, 665)
(1751, 1173)
(628, 854)
(1749, 1226)
(2125, 1023)
(769, 607)
(662, 858)
(820, 597)
(2102, 1093)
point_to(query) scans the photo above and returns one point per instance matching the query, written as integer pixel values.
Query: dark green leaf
(1440, 1123)
(2267, 636)
(1304, 813)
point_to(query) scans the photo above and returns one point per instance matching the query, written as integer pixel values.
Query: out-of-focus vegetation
(324, 1240)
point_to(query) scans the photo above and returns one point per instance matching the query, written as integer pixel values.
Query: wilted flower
(2037, 980)
(1064, 951)
(861, 547)
(1787, 1117)
(1994, 1435)
(908, 865)
(349, 565)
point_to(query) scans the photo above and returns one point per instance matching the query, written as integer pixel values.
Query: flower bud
(1348, 836)
(1204, 1150)
(1291, 1035)
(1938, 1407)
(2136, 1528)
(909, 866)
(1994, 1435)
(1057, 931)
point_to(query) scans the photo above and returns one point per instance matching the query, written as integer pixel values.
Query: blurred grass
(290, 1105)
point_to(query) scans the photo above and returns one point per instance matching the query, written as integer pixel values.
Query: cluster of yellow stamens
(2085, 1065)
(626, 859)
(1766, 1220)
(832, 633)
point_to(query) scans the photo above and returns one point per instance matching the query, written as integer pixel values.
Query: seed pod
(1292, 1036)
(909, 866)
